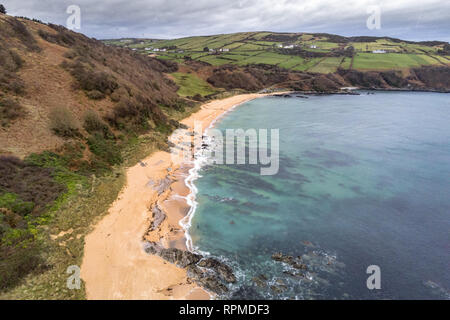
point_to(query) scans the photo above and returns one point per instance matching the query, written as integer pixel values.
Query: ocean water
(363, 180)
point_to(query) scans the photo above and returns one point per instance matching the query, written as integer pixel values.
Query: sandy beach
(115, 266)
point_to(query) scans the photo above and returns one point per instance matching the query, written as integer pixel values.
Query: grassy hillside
(73, 114)
(320, 53)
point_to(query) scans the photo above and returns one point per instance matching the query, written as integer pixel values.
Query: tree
(205, 49)
(2, 9)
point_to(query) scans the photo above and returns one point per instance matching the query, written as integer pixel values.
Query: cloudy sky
(406, 19)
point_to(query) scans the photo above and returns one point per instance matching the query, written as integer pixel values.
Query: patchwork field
(190, 85)
(319, 53)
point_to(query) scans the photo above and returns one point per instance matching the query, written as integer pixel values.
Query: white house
(148, 49)
(226, 50)
(313, 46)
(156, 49)
(379, 51)
(163, 50)
(291, 46)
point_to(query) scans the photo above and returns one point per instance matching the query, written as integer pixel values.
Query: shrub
(90, 80)
(17, 262)
(10, 110)
(28, 183)
(63, 124)
(21, 32)
(10, 60)
(93, 124)
(63, 36)
(118, 94)
(105, 149)
(12, 202)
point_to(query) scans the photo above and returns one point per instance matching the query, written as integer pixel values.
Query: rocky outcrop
(158, 218)
(224, 271)
(290, 260)
(208, 273)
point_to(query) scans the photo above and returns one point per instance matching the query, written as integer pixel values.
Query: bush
(105, 149)
(21, 32)
(63, 124)
(63, 36)
(28, 183)
(93, 124)
(90, 80)
(12, 202)
(118, 94)
(10, 110)
(95, 95)
(17, 262)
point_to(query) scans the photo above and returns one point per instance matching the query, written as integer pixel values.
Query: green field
(190, 85)
(328, 65)
(387, 61)
(263, 47)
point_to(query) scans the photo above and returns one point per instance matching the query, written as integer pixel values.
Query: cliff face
(257, 77)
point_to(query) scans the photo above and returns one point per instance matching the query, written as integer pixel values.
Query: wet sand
(115, 266)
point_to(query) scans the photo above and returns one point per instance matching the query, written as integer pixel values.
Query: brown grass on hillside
(125, 88)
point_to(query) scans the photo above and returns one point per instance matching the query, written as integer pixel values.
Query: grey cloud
(414, 19)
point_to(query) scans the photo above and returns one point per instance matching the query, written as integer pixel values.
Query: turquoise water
(363, 180)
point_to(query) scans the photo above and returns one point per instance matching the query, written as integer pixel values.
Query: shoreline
(151, 207)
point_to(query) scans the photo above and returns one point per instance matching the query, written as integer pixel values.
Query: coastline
(115, 265)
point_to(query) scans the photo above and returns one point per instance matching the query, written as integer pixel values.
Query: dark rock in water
(206, 279)
(264, 277)
(282, 258)
(282, 95)
(224, 271)
(278, 256)
(278, 289)
(303, 97)
(300, 266)
(290, 260)
(295, 275)
(260, 281)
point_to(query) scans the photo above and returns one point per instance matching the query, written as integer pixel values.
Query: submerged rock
(278, 289)
(290, 260)
(260, 282)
